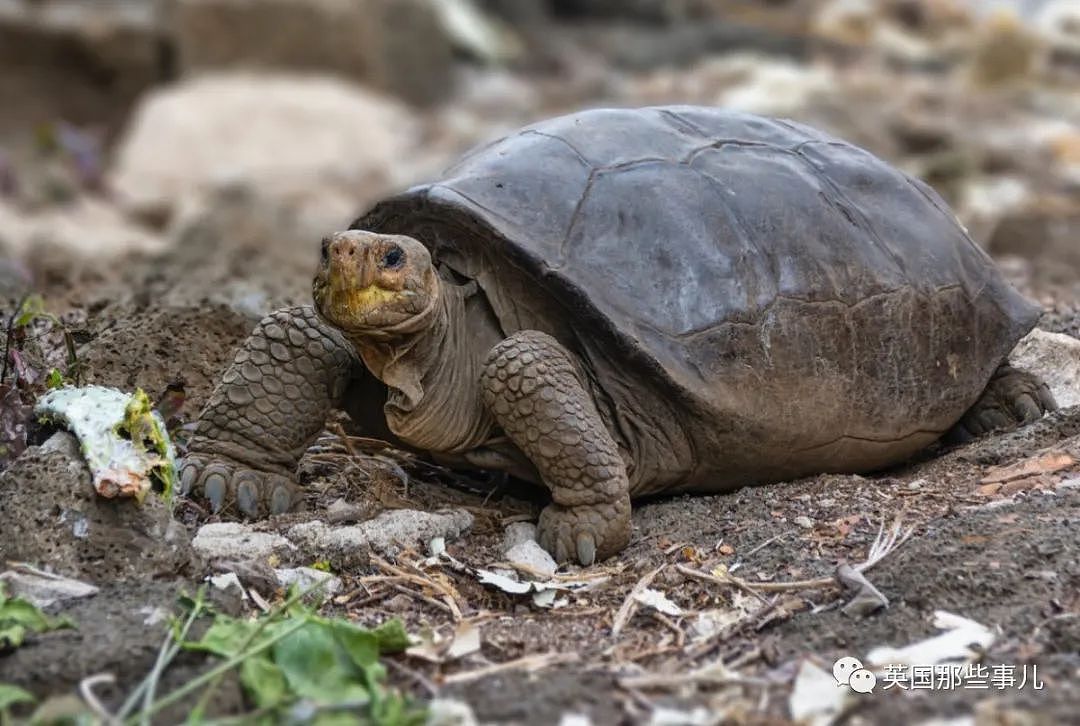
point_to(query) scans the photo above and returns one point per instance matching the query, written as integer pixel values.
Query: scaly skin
(533, 390)
(1012, 398)
(270, 405)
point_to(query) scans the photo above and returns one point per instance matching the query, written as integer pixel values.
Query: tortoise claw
(281, 500)
(247, 498)
(215, 488)
(188, 476)
(585, 533)
(586, 549)
(225, 483)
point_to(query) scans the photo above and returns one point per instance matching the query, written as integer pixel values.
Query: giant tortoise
(617, 303)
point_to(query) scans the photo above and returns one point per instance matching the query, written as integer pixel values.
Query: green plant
(293, 664)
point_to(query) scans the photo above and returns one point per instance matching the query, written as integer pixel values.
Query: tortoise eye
(394, 258)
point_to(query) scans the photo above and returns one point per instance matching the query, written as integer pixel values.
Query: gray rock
(386, 533)
(44, 589)
(398, 46)
(120, 631)
(516, 533)
(237, 541)
(1055, 357)
(531, 555)
(50, 514)
(83, 62)
(306, 578)
(192, 141)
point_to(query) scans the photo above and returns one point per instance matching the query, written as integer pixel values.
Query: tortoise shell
(810, 303)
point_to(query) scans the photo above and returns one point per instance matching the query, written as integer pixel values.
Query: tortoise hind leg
(1012, 398)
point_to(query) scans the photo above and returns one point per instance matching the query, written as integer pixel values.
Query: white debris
(225, 581)
(236, 541)
(44, 588)
(575, 719)
(815, 699)
(476, 34)
(658, 601)
(803, 521)
(466, 641)
(544, 594)
(125, 443)
(504, 583)
(963, 640)
(700, 716)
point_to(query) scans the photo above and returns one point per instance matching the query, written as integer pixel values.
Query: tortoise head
(371, 282)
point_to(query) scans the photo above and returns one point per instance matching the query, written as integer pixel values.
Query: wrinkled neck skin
(433, 375)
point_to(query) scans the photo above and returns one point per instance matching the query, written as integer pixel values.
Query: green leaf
(22, 612)
(392, 637)
(339, 718)
(19, 617)
(12, 695)
(11, 635)
(264, 681)
(33, 307)
(225, 637)
(362, 646)
(55, 379)
(317, 667)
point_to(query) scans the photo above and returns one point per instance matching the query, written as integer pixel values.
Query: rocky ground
(159, 237)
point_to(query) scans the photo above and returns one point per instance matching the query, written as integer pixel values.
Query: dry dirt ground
(994, 538)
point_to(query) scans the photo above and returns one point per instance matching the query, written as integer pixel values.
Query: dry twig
(630, 605)
(530, 663)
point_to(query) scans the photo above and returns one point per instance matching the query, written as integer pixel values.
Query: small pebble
(804, 522)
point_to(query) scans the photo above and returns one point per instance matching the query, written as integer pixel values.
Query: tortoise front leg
(534, 392)
(267, 410)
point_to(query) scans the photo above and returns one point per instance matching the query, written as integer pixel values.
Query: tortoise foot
(1012, 398)
(229, 485)
(585, 533)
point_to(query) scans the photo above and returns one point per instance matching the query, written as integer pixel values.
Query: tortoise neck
(434, 400)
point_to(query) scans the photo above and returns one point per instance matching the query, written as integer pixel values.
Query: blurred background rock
(196, 150)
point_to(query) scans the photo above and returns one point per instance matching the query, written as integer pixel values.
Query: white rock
(385, 533)
(1058, 22)
(308, 577)
(450, 712)
(286, 136)
(45, 589)
(87, 225)
(815, 698)
(774, 87)
(516, 533)
(531, 555)
(236, 541)
(804, 521)
(1056, 358)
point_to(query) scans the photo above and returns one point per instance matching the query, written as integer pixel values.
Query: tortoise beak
(349, 287)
